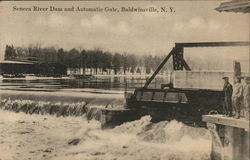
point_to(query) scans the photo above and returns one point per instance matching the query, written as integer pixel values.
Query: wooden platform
(227, 121)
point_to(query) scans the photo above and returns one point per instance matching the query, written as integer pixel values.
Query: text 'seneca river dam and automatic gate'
(166, 9)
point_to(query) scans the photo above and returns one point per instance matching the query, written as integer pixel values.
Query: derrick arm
(159, 68)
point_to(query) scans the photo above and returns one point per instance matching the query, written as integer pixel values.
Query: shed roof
(13, 62)
(242, 6)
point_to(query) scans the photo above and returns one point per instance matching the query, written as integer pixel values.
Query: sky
(138, 33)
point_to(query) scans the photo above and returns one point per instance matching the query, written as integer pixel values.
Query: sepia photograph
(125, 80)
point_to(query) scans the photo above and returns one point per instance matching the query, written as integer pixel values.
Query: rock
(21, 121)
(97, 153)
(124, 146)
(48, 150)
(23, 132)
(74, 141)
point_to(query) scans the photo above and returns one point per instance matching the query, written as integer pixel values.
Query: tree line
(95, 59)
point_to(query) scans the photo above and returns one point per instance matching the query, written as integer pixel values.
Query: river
(36, 136)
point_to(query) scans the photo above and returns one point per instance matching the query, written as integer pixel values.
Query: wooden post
(237, 69)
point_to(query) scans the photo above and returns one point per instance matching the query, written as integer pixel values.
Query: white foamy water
(46, 137)
(41, 137)
(142, 140)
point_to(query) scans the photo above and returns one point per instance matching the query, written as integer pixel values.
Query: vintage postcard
(124, 80)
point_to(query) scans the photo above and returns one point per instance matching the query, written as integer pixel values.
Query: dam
(184, 99)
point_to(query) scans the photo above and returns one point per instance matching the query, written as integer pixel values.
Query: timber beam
(213, 44)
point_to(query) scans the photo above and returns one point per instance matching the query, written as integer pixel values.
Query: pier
(230, 137)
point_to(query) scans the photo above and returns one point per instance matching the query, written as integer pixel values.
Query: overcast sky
(139, 33)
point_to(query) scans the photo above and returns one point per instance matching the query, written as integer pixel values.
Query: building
(44, 69)
(16, 67)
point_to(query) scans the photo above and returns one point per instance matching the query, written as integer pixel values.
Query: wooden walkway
(227, 121)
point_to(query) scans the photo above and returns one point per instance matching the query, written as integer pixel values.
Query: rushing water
(44, 136)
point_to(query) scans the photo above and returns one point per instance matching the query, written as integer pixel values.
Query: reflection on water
(107, 83)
